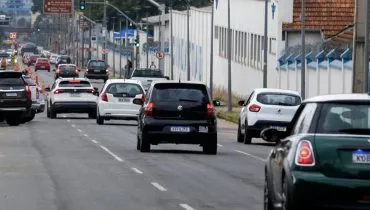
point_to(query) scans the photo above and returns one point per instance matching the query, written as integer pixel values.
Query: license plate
(278, 128)
(123, 100)
(180, 129)
(97, 71)
(203, 129)
(360, 156)
(42, 67)
(11, 94)
(75, 95)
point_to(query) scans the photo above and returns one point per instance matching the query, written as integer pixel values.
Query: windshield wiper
(190, 100)
(365, 131)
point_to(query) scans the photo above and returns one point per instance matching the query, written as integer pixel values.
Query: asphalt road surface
(73, 163)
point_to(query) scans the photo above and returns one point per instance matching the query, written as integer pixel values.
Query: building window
(216, 32)
(272, 48)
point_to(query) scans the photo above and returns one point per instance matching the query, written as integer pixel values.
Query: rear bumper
(96, 76)
(326, 192)
(159, 131)
(45, 68)
(74, 107)
(255, 130)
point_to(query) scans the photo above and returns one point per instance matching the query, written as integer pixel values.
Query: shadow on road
(171, 151)
(266, 144)
(120, 124)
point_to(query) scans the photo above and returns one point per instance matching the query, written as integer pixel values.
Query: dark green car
(323, 160)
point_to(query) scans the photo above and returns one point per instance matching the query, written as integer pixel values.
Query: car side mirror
(168, 78)
(138, 100)
(273, 135)
(96, 91)
(216, 103)
(241, 102)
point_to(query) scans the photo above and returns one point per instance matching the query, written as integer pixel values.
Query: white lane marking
(79, 130)
(137, 170)
(250, 155)
(94, 141)
(219, 145)
(159, 187)
(73, 125)
(186, 206)
(69, 121)
(86, 135)
(111, 153)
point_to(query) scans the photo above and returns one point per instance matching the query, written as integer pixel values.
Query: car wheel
(247, 137)
(13, 121)
(144, 143)
(267, 203)
(53, 113)
(138, 140)
(210, 148)
(240, 135)
(47, 111)
(287, 203)
(92, 115)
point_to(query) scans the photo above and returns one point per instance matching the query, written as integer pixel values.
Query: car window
(11, 80)
(130, 90)
(180, 92)
(280, 99)
(67, 67)
(147, 73)
(304, 120)
(97, 64)
(344, 118)
(74, 83)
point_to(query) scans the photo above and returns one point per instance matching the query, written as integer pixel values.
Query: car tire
(13, 121)
(53, 113)
(240, 137)
(144, 143)
(267, 203)
(210, 148)
(92, 115)
(287, 201)
(47, 111)
(247, 138)
(138, 140)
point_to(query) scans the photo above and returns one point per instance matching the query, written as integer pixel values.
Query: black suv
(15, 98)
(179, 113)
(97, 69)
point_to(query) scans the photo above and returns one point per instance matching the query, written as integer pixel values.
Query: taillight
(76, 70)
(104, 97)
(57, 91)
(210, 110)
(305, 156)
(90, 91)
(148, 109)
(28, 89)
(254, 108)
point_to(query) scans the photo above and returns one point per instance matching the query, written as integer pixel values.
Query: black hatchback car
(66, 70)
(177, 113)
(97, 69)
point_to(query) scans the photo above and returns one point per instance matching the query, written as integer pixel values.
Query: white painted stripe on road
(86, 135)
(73, 125)
(219, 145)
(94, 141)
(186, 206)
(250, 155)
(111, 153)
(159, 187)
(137, 170)
(79, 130)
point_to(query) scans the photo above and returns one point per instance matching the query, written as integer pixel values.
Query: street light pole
(229, 90)
(105, 32)
(265, 46)
(114, 48)
(211, 54)
(303, 59)
(120, 48)
(147, 42)
(171, 36)
(366, 59)
(188, 38)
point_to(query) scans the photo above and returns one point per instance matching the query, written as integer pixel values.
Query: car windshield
(67, 67)
(281, 99)
(352, 118)
(7, 79)
(127, 89)
(97, 64)
(74, 83)
(180, 92)
(147, 73)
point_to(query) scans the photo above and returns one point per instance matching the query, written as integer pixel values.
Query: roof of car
(109, 81)
(177, 82)
(274, 90)
(339, 97)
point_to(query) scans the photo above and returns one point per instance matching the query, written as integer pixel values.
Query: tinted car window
(74, 83)
(97, 64)
(67, 68)
(147, 73)
(278, 99)
(130, 90)
(180, 92)
(7, 79)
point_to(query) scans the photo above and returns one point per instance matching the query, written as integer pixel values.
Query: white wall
(294, 38)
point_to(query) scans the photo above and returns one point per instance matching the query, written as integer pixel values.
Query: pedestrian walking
(153, 66)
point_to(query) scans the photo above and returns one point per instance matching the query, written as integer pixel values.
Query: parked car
(97, 69)
(116, 100)
(66, 70)
(42, 64)
(266, 108)
(179, 113)
(53, 58)
(322, 160)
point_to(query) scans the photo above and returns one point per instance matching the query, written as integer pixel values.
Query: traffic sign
(159, 55)
(58, 6)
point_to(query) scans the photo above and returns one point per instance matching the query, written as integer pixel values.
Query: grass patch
(220, 94)
(228, 116)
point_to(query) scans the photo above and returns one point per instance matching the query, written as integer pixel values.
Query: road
(73, 163)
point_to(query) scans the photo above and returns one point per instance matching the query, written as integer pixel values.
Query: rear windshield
(147, 73)
(42, 60)
(74, 83)
(67, 68)
(99, 64)
(342, 118)
(280, 99)
(180, 92)
(130, 90)
(11, 79)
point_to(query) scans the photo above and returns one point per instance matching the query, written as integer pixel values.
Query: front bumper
(325, 192)
(74, 107)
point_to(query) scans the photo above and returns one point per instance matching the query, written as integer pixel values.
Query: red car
(32, 59)
(42, 64)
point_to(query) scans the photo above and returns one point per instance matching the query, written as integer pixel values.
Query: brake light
(305, 156)
(57, 91)
(148, 109)
(254, 108)
(210, 110)
(104, 97)
(28, 89)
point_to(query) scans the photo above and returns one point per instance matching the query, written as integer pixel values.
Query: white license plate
(278, 128)
(11, 94)
(361, 157)
(75, 95)
(203, 129)
(180, 129)
(123, 100)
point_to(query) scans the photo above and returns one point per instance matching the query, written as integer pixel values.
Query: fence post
(319, 58)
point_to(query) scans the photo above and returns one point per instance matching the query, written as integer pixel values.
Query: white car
(54, 58)
(116, 100)
(71, 95)
(266, 108)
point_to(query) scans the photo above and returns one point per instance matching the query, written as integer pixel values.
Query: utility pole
(188, 38)
(90, 44)
(105, 31)
(147, 42)
(265, 46)
(114, 48)
(126, 34)
(120, 48)
(303, 59)
(211, 54)
(359, 60)
(229, 90)
(83, 47)
(171, 37)
(77, 50)
(366, 59)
